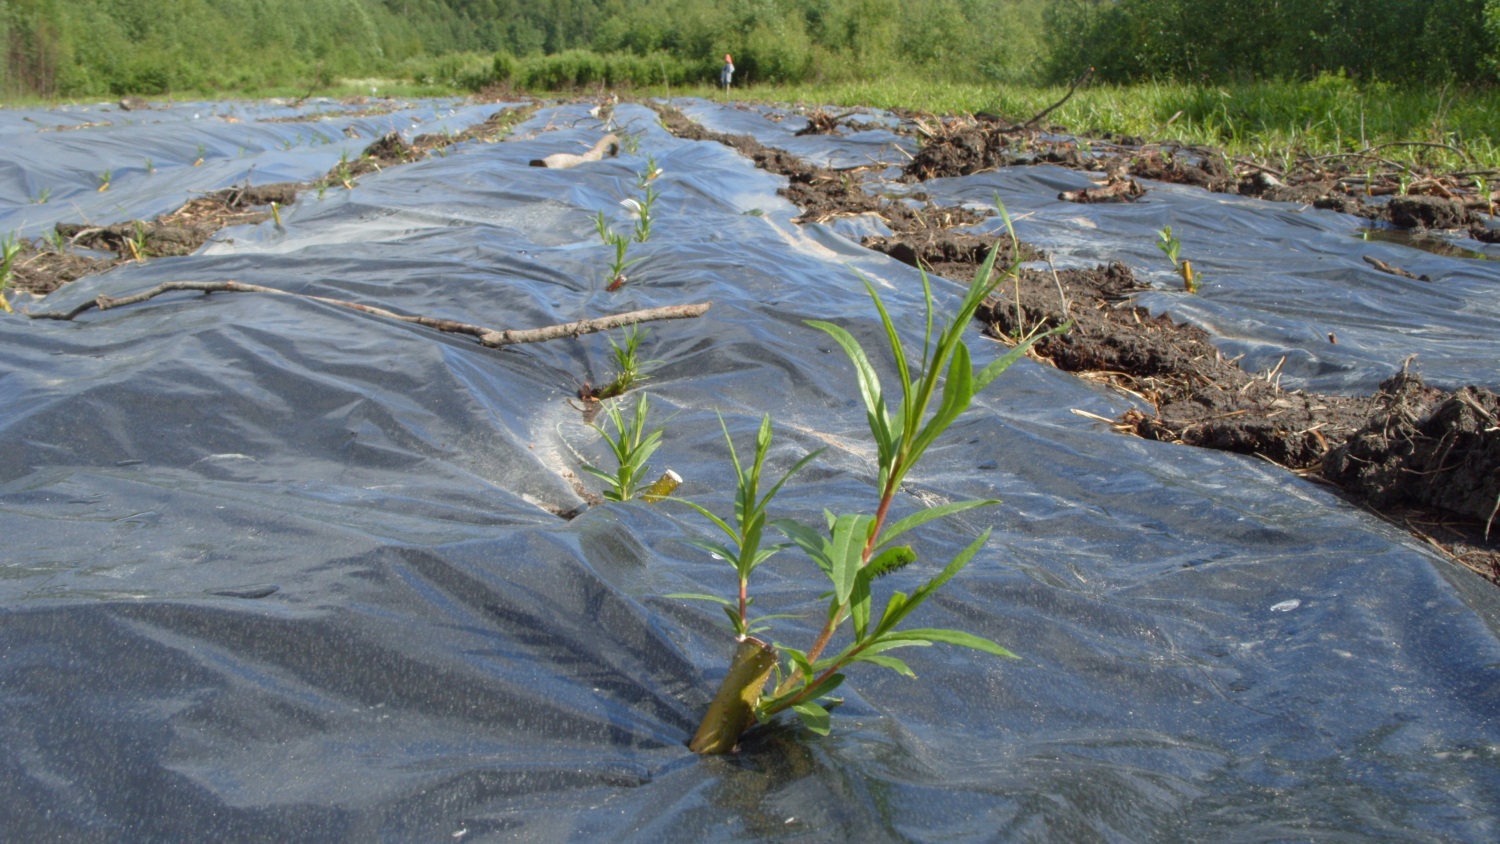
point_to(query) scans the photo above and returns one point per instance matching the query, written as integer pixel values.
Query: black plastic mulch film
(278, 570)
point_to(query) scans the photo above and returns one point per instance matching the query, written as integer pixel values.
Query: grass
(1266, 120)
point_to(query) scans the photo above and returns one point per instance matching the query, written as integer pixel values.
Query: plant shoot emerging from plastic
(744, 551)
(646, 176)
(1172, 248)
(628, 365)
(619, 265)
(10, 250)
(104, 179)
(631, 446)
(137, 242)
(854, 549)
(643, 213)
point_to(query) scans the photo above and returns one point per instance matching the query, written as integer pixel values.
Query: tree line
(77, 48)
(1395, 41)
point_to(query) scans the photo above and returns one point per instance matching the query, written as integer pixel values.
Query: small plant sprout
(631, 446)
(643, 219)
(1172, 248)
(1486, 196)
(744, 552)
(10, 250)
(137, 242)
(42, 196)
(104, 180)
(628, 365)
(619, 265)
(1169, 245)
(150, 166)
(202, 151)
(648, 175)
(854, 549)
(55, 240)
(276, 213)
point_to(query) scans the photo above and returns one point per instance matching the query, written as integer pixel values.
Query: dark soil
(820, 192)
(181, 232)
(1423, 457)
(1427, 459)
(41, 268)
(1345, 183)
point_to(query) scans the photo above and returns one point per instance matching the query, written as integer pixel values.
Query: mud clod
(1428, 212)
(1421, 446)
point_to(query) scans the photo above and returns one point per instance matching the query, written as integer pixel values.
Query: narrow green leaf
(865, 375)
(798, 660)
(734, 619)
(927, 514)
(890, 662)
(722, 525)
(893, 615)
(714, 548)
(952, 637)
(892, 611)
(993, 370)
(850, 532)
(814, 717)
(859, 604)
(694, 596)
(954, 567)
(825, 686)
(812, 543)
(958, 392)
(898, 352)
(792, 471)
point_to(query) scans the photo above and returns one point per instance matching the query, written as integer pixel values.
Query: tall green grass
(1269, 120)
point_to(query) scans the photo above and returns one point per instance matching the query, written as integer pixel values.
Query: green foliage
(1172, 248)
(628, 365)
(631, 445)
(10, 250)
(746, 535)
(1169, 245)
(854, 549)
(85, 48)
(1404, 41)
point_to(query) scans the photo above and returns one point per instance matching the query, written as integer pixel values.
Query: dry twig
(491, 337)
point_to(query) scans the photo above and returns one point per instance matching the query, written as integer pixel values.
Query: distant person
(727, 72)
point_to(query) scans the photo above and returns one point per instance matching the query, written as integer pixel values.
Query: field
(302, 544)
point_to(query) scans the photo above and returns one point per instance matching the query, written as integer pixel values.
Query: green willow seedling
(854, 549)
(631, 447)
(1172, 248)
(10, 250)
(628, 365)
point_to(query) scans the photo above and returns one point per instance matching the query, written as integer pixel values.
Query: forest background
(69, 49)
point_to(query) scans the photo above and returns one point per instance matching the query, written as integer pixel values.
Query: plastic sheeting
(278, 570)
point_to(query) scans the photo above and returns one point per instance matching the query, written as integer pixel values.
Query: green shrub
(504, 67)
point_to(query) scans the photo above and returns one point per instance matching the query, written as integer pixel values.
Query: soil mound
(1421, 446)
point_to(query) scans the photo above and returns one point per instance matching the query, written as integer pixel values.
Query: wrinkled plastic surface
(279, 570)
